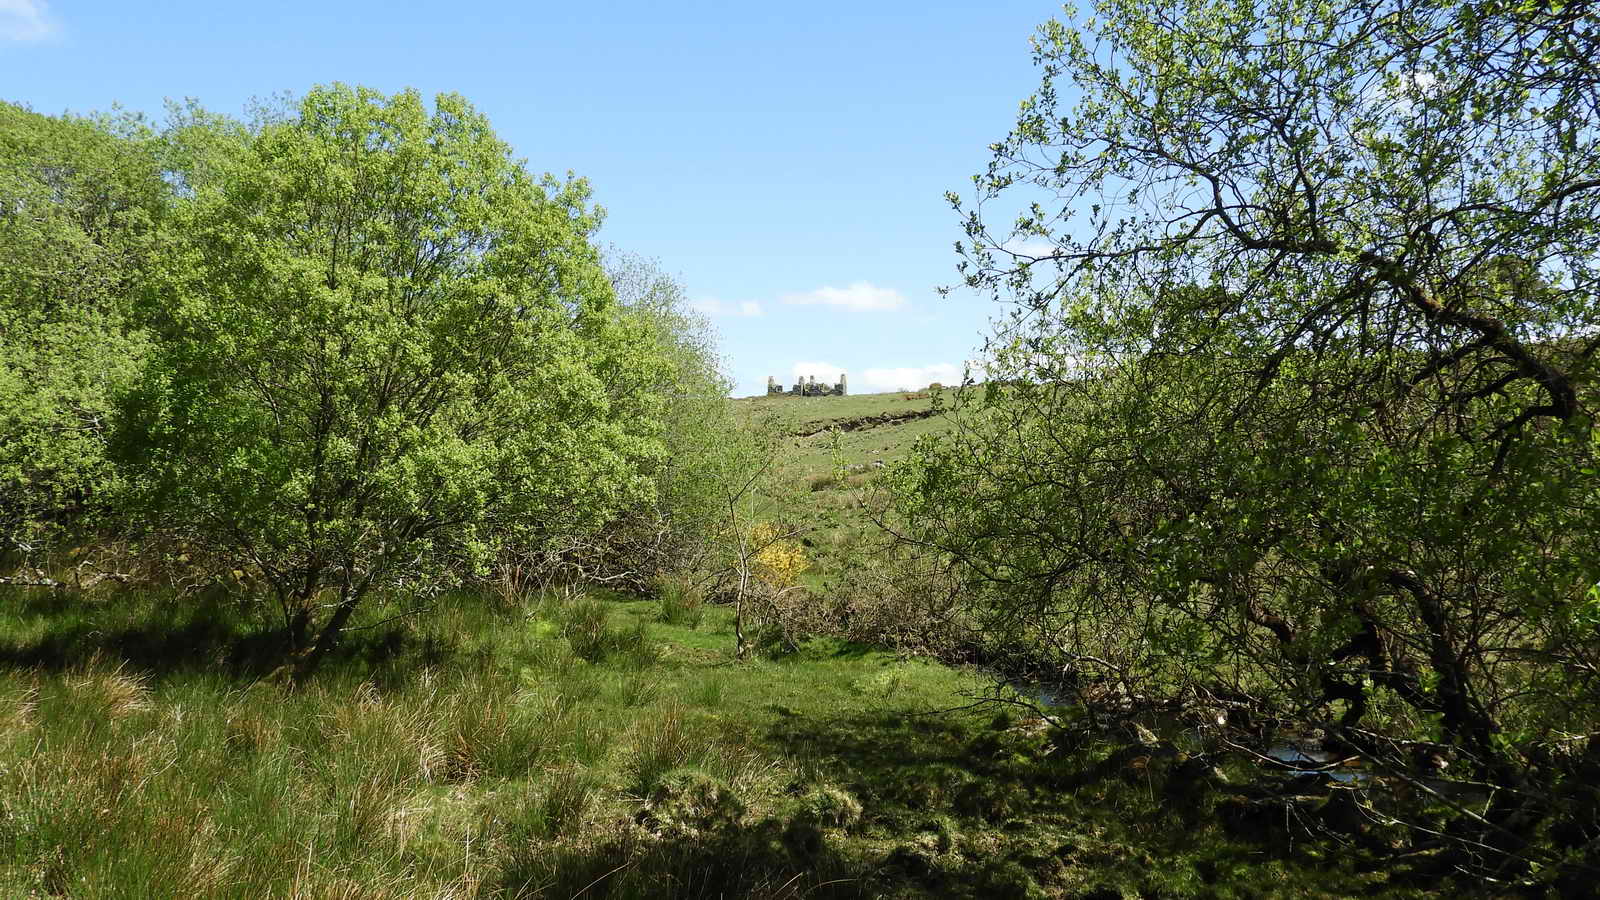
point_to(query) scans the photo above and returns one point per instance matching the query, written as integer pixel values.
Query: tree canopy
(387, 353)
(80, 202)
(1295, 400)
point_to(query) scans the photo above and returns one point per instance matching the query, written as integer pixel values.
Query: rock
(1142, 762)
(1143, 735)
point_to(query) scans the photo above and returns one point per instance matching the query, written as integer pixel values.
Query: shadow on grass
(816, 648)
(763, 860)
(170, 637)
(1000, 806)
(855, 650)
(871, 744)
(959, 805)
(909, 769)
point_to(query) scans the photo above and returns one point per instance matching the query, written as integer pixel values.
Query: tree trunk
(740, 649)
(298, 627)
(328, 637)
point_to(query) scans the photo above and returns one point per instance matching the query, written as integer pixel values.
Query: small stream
(1308, 759)
(1297, 756)
(1300, 757)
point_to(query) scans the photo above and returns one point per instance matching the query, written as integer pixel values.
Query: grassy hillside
(807, 422)
(833, 450)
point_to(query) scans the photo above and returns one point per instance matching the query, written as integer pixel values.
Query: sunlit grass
(560, 745)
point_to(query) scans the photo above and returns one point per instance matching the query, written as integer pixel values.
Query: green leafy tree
(1296, 400)
(717, 517)
(80, 199)
(678, 530)
(387, 353)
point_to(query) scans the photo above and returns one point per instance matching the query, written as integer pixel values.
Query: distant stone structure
(807, 386)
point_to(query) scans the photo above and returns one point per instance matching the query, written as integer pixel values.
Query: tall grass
(485, 747)
(547, 747)
(176, 777)
(682, 601)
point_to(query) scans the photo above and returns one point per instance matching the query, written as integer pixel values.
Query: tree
(759, 558)
(1295, 403)
(386, 353)
(678, 529)
(715, 510)
(80, 199)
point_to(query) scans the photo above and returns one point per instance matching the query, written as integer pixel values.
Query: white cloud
(26, 20)
(1401, 90)
(826, 372)
(859, 296)
(1034, 247)
(911, 378)
(711, 306)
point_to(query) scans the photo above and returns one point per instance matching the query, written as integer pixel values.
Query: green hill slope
(833, 451)
(870, 427)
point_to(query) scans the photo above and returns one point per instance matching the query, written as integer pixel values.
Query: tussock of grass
(682, 602)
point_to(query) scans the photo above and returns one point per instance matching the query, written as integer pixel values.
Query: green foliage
(675, 530)
(387, 354)
(1365, 436)
(80, 200)
(1297, 400)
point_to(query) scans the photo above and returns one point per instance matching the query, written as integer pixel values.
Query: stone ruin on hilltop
(806, 386)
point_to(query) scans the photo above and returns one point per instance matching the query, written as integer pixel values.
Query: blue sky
(787, 162)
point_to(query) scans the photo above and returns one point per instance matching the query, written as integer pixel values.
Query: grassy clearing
(806, 413)
(570, 745)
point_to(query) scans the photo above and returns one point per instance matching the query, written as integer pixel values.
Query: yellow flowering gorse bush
(778, 562)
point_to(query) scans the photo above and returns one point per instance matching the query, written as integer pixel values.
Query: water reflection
(1306, 759)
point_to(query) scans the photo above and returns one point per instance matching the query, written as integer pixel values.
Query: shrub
(385, 356)
(778, 562)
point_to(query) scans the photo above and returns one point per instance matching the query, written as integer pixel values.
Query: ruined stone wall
(807, 386)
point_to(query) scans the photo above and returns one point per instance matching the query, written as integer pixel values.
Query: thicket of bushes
(350, 346)
(1295, 421)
